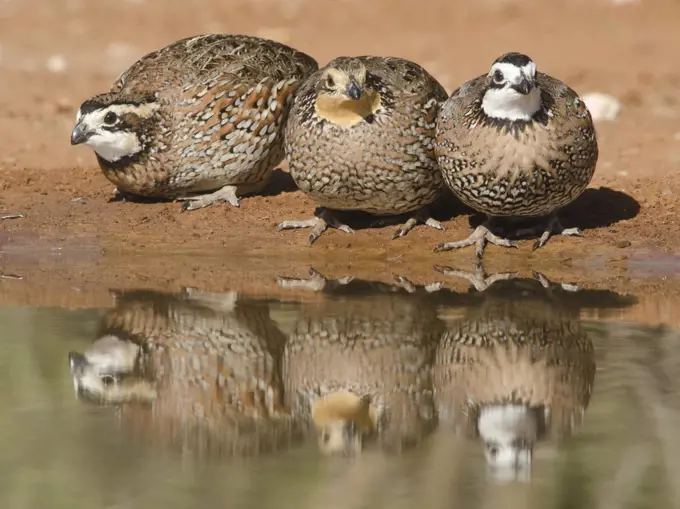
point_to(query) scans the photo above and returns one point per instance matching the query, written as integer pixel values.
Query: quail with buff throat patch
(360, 136)
(515, 144)
(200, 120)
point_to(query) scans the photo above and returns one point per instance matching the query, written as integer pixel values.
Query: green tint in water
(362, 395)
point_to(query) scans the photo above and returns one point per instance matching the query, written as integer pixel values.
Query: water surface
(505, 395)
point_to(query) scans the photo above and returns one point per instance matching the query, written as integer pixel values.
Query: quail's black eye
(498, 76)
(110, 118)
(493, 451)
(330, 82)
(108, 380)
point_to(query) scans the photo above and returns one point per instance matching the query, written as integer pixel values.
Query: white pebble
(56, 63)
(602, 106)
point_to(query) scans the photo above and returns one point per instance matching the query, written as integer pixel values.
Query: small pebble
(602, 106)
(623, 243)
(57, 64)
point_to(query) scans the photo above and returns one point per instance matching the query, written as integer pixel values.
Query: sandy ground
(74, 243)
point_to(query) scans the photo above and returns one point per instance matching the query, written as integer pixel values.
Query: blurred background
(56, 53)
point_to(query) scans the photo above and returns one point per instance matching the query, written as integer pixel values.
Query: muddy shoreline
(74, 242)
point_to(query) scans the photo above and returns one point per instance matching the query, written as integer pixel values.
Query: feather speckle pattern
(198, 115)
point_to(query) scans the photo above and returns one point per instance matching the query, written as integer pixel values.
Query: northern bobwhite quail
(513, 371)
(357, 365)
(202, 115)
(360, 136)
(515, 143)
(210, 363)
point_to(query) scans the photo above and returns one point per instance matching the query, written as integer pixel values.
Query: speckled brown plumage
(377, 343)
(361, 137)
(217, 107)
(212, 364)
(516, 168)
(521, 353)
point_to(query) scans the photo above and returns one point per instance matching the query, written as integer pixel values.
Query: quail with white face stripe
(515, 144)
(202, 115)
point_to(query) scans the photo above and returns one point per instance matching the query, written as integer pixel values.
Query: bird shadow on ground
(595, 208)
(446, 207)
(280, 182)
(598, 208)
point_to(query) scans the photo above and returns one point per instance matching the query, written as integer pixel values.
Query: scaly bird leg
(222, 302)
(421, 216)
(478, 278)
(478, 238)
(555, 227)
(316, 281)
(319, 224)
(224, 194)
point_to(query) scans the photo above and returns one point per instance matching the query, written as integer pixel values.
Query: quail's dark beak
(524, 86)
(353, 90)
(352, 437)
(79, 135)
(77, 362)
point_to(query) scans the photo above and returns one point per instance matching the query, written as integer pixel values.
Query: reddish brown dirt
(74, 238)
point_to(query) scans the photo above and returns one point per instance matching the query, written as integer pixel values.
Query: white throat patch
(502, 424)
(508, 104)
(113, 145)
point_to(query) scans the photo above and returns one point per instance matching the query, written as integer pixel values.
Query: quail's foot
(547, 284)
(316, 281)
(478, 278)
(11, 216)
(318, 224)
(222, 302)
(478, 238)
(420, 217)
(554, 227)
(224, 194)
(120, 195)
(407, 285)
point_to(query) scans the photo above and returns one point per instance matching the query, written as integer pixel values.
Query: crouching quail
(360, 136)
(515, 144)
(356, 365)
(515, 371)
(202, 115)
(194, 372)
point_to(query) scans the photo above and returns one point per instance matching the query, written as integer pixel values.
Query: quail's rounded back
(202, 113)
(195, 59)
(520, 167)
(374, 153)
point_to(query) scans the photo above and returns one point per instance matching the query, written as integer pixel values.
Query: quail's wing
(565, 104)
(405, 79)
(464, 97)
(231, 58)
(570, 113)
(160, 318)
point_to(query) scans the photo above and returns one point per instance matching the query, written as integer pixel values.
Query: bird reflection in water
(518, 368)
(196, 371)
(357, 364)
